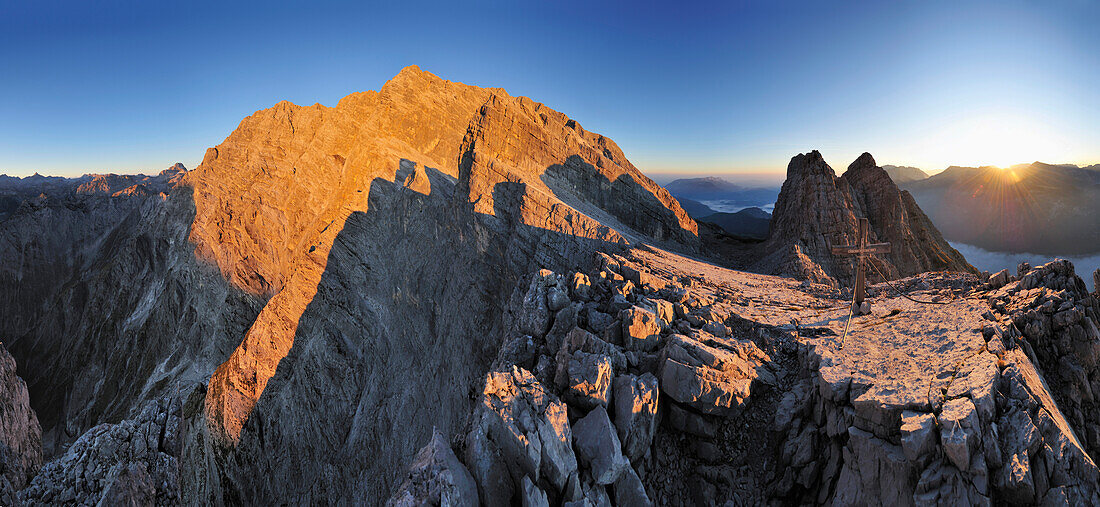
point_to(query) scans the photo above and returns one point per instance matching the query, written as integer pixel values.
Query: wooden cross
(861, 248)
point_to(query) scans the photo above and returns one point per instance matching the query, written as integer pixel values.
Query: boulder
(598, 447)
(636, 412)
(579, 339)
(665, 313)
(580, 286)
(640, 329)
(959, 431)
(489, 469)
(556, 298)
(527, 426)
(628, 490)
(534, 315)
(589, 382)
(532, 496)
(999, 279)
(712, 379)
(436, 477)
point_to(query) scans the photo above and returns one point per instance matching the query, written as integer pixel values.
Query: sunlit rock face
(388, 231)
(816, 209)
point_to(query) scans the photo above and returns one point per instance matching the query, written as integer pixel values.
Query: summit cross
(860, 249)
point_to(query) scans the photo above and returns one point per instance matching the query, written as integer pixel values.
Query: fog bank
(993, 262)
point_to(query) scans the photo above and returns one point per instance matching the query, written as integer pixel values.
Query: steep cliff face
(817, 209)
(382, 228)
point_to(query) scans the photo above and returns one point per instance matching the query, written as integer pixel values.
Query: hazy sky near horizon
(692, 87)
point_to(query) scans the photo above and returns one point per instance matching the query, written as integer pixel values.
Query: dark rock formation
(816, 209)
(20, 434)
(133, 462)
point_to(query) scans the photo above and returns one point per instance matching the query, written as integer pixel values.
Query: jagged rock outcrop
(437, 477)
(525, 445)
(817, 209)
(133, 462)
(20, 434)
(952, 409)
(1054, 317)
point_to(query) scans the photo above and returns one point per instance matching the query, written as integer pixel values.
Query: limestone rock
(636, 412)
(690, 422)
(436, 477)
(873, 468)
(589, 382)
(710, 379)
(960, 431)
(1016, 479)
(581, 340)
(135, 461)
(20, 434)
(532, 496)
(628, 490)
(529, 426)
(918, 435)
(598, 447)
(580, 286)
(128, 484)
(640, 329)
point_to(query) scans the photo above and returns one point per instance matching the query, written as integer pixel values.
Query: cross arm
(855, 249)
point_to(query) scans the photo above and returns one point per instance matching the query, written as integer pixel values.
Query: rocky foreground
(445, 294)
(665, 387)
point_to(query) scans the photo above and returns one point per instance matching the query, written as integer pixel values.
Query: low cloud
(993, 262)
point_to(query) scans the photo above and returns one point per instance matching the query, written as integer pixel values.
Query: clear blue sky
(723, 86)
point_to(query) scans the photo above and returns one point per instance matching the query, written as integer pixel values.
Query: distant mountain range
(904, 174)
(719, 193)
(1038, 207)
(15, 191)
(737, 209)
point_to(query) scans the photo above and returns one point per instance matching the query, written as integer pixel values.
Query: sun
(1000, 140)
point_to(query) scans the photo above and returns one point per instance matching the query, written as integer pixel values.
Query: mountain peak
(817, 210)
(863, 162)
(808, 164)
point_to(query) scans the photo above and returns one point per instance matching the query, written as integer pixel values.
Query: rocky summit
(816, 210)
(443, 294)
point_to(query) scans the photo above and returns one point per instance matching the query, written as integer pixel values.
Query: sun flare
(997, 140)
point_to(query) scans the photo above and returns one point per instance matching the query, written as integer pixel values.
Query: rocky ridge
(817, 209)
(842, 424)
